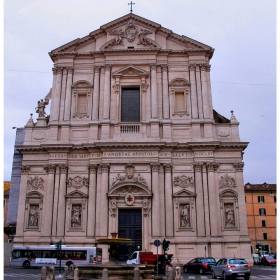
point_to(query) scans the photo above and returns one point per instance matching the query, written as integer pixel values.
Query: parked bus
(38, 256)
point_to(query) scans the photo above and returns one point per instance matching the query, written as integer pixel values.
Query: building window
(261, 199)
(275, 198)
(180, 103)
(262, 211)
(263, 223)
(264, 235)
(130, 105)
(82, 104)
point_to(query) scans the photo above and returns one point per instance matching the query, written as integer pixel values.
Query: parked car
(256, 259)
(200, 265)
(231, 267)
(268, 260)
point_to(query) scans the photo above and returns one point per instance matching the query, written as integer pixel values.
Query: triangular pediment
(129, 33)
(76, 194)
(184, 192)
(130, 71)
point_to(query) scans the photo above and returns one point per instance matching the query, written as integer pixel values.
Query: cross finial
(131, 5)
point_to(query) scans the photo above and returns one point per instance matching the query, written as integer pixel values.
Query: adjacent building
(132, 145)
(261, 215)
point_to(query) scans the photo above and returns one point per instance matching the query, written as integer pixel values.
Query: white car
(231, 267)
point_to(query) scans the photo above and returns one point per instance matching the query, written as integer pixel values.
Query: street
(35, 274)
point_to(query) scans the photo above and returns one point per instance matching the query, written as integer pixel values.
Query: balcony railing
(129, 128)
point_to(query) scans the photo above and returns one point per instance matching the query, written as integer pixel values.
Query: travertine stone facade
(132, 126)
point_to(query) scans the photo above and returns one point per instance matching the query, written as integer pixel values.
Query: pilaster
(61, 201)
(155, 202)
(168, 200)
(199, 200)
(194, 108)
(91, 201)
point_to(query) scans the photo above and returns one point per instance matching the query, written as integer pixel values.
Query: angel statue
(142, 33)
(120, 35)
(41, 108)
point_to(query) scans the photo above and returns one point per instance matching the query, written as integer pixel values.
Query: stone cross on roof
(131, 5)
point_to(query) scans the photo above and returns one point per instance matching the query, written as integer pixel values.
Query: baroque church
(133, 146)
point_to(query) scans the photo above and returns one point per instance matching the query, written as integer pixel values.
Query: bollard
(178, 273)
(105, 274)
(136, 273)
(170, 273)
(52, 273)
(43, 273)
(76, 274)
(66, 270)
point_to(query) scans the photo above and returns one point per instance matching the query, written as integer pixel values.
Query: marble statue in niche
(76, 216)
(229, 212)
(185, 216)
(33, 216)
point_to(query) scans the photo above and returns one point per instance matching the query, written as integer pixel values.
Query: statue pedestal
(42, 121)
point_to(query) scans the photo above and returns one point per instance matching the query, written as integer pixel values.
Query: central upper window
(130, 105)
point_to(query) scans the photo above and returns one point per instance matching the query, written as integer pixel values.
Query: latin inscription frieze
(132, 154)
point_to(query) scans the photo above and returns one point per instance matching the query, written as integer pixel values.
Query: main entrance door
(130, 226)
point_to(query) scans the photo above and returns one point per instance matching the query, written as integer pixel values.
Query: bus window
(16, 254)
(47, 254)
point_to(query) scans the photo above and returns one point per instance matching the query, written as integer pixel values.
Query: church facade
(133, 146)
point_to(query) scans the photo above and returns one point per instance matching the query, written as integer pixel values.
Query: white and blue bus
(38, 256)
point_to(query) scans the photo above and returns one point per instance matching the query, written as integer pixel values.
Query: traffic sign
(157, 243)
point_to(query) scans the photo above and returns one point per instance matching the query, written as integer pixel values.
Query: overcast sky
(243, 67)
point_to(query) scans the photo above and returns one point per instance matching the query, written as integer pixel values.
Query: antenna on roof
(131, 5)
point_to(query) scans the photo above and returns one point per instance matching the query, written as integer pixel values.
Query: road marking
(21, 275)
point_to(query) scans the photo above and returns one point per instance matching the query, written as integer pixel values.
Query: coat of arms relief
(130, 32)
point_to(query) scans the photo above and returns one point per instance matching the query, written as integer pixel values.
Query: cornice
(124, 19)
(103, 145)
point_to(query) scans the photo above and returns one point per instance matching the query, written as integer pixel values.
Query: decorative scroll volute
(155, 166)
(167, 167)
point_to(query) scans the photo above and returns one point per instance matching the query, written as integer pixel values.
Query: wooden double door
(130, 226)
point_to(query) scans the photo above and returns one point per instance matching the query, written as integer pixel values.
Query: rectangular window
(180, 102)
(262, 211)
(130, 105)
(275, 198)
(263, 223)
(265, 236)
(261, 199)
(82, 104)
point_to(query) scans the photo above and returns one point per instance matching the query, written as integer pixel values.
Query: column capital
(92, 168)
(70, 70)
(63, 168)
(155, 166)
(208, 67)
(153, 67)
(164, 67)
(212, 166)
(203, 66)
(96, 69)
(238, 166)
(116, 88)
(192, 67)
(50, 168)
(107, 67)
(197, 166)
(168, 167)
(104, 167)
(24, 169)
